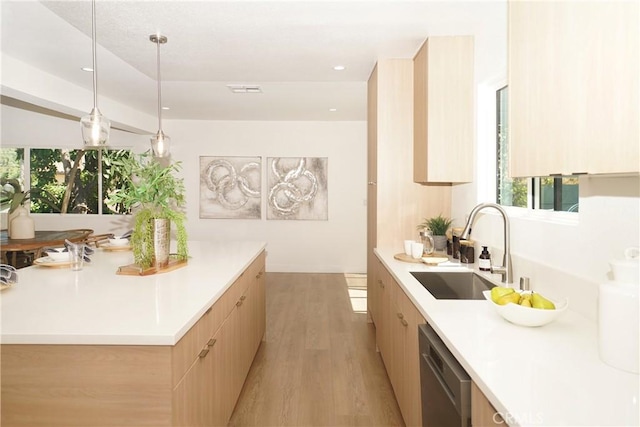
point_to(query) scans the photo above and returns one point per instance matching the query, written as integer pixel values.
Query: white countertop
(546, 376)
(96, 306)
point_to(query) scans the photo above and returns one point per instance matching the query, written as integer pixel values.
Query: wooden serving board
(406, 258)
(116, 248)
(437, 258)
(136, 270)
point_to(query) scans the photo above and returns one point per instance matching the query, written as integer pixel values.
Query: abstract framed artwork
(230, 187)
(297, 188)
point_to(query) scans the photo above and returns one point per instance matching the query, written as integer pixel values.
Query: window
(11, 174)
(546, 193)
(61, 180)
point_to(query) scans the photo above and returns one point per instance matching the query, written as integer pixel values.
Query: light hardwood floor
(318, 365)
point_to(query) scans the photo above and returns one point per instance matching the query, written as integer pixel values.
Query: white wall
(336, 245)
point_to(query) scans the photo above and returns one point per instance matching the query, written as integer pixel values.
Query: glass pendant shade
(95, 126)
(95, 129)
(160, 144)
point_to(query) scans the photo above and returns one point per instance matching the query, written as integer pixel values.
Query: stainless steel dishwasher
(446, 387)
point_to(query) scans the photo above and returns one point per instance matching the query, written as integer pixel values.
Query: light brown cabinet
(443, 110)
(395, 203)
(195, 382)
(383, 317)
(397, 337)
(483, 414)
(573, 87)
(208, 392)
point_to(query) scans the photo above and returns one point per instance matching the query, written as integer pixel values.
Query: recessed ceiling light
(333, 110)
(88, 69)
(166, 108)
(339, 67)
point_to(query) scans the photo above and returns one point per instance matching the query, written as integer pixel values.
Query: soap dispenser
(484, 260)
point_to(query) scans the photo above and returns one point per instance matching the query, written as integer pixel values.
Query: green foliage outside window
(510, 191)
(63, 180)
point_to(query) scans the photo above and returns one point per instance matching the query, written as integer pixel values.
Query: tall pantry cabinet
(396, 204)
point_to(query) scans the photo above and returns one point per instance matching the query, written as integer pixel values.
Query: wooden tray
(107, 247)
(136, 270)
(437, 257)
(406, 258)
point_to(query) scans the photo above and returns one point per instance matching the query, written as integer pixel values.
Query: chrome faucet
(505, 269)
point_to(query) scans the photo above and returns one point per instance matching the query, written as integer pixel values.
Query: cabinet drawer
(189, 346)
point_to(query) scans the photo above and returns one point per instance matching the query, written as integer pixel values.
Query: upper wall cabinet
(443, 110)
(573, 87)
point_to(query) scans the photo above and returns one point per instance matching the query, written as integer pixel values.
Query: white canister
(22, 226)
(618, 318)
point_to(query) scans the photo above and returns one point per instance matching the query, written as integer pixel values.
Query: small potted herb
(437, 226)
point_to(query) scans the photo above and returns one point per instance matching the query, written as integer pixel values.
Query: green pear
(525, 302)
(513, 297)
(498, 292)
(538, 301)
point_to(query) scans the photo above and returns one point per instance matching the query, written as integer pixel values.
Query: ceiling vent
(245, 88)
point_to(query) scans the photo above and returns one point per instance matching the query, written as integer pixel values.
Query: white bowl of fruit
(525, 308)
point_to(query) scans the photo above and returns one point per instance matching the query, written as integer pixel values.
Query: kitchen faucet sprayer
(505, 269)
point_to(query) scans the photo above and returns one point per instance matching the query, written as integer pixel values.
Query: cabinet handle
(211, 342)
(208, 310)
(371, 183)
(400, 316)
(239, 303)
(404, 322)
(243, 297)
(203, 352)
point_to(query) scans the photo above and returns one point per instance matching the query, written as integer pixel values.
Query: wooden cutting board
(437, 258)
(406, 258)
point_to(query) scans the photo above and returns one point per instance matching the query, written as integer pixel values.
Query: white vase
(619, 316)
(10, 217)
(22, 225)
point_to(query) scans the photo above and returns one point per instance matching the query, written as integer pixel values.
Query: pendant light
(95, 126)
(159, 142)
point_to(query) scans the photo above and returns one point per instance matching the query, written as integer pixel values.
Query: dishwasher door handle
(443, 384)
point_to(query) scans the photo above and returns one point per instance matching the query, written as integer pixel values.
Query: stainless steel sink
(453, 285)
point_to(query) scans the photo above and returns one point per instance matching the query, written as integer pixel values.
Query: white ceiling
(289, 48)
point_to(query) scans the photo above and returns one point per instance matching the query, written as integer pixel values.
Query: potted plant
(155, 195)
(437, 226)
(14, 197)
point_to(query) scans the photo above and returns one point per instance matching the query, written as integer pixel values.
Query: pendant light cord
(95, 59)
(159, 88)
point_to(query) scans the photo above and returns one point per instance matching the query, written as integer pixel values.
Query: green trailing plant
(151, 190)
(438, 225)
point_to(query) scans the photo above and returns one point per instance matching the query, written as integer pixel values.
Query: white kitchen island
(92, 347)
(546, 376)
